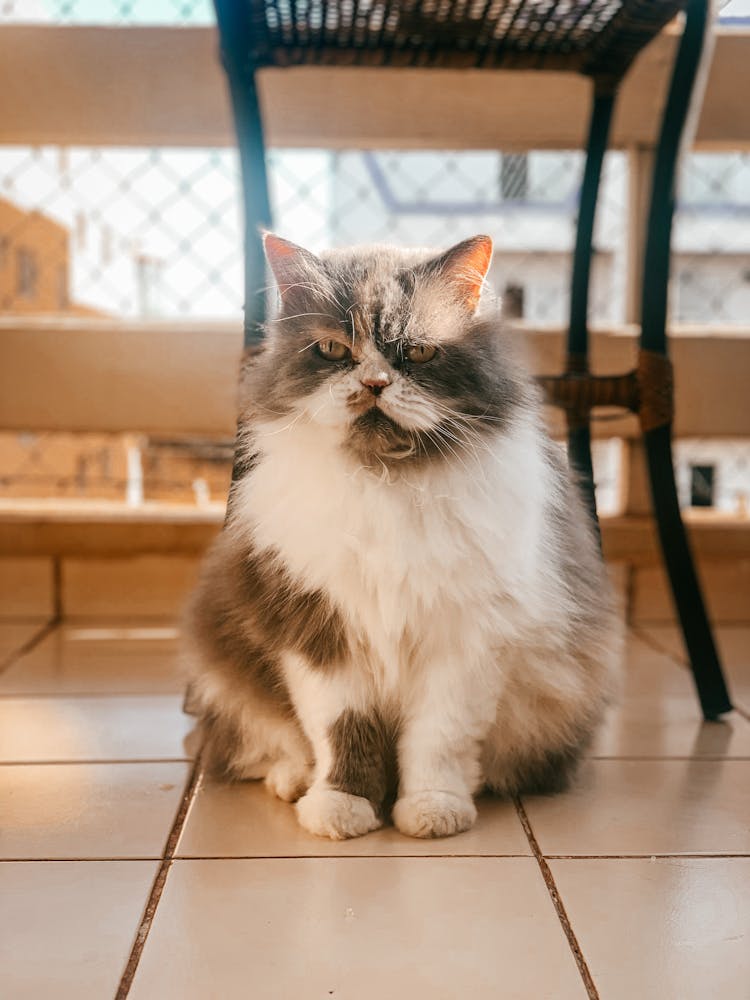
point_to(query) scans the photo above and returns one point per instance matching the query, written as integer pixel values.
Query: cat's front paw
(434, 814)
(288, 779)
(338, 815)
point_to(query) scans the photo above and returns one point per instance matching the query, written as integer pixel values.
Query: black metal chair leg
(704, 661)
(707, 673)
(579, 458)
(579, 436)
(235, 23)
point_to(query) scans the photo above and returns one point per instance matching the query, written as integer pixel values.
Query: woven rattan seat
(599, 38)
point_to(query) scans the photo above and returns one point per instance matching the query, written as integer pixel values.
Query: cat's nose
(376, 383)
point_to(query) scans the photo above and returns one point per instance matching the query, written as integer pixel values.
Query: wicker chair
(597, 38)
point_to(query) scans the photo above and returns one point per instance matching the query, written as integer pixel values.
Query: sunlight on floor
(121, 867)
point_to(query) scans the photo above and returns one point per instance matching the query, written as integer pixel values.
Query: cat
(407, 603)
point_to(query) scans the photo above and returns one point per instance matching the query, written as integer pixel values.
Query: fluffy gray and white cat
(407, 602)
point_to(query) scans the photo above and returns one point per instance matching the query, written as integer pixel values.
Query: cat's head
(386, 347)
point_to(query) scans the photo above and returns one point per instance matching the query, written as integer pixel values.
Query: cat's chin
(376, 435)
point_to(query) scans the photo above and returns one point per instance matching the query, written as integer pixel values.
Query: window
(514, 176)
(513, 301)
(27, 273)
(701, 485)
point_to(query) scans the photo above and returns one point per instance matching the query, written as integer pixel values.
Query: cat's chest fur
(403, 558)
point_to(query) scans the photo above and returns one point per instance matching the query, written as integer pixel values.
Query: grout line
(68, 860)
(52, 761)
(692, 856)
(351, 857)
(26, 647)
(93, 695)
(709, 758)
(96, 760)
(647, 857)
(57, 587)
(645, 636)
(41, 695)
(158, 885)
(557, 902)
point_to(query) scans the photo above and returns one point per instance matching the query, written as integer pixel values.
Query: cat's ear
(465, 267)
(294, 268)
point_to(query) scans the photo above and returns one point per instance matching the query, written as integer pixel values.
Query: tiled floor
(123, 873)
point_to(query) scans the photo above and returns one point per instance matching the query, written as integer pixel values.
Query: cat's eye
(420, 353)
(333, 350)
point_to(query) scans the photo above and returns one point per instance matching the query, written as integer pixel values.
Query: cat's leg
(349, 744)
(448, 715)
(245, 738)
(549, 710)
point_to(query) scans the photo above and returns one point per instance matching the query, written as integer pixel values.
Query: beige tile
(91, 729)
(244, 820)
(91, 659)
(625, 807)
(659, 715)
(13, 635)
(734, 650)
(668, 929)
(361, 928)
(149, 585)
(66, 928)
(26, 587)
(726, 585)
(61, 811)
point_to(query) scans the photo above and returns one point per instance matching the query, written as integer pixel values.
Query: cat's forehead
(381, 292)
(373, 261)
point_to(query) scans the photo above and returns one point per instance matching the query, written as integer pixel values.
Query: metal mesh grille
(711, 272)
(149, 233)
(114, 12)
(125, 232)
(156, 233)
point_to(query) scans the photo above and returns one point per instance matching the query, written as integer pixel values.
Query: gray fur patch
(364, 756)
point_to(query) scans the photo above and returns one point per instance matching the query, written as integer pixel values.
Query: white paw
(337, 815)
(288, 779)
(434, 814)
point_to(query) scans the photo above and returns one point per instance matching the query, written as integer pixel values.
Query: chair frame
(647, 390)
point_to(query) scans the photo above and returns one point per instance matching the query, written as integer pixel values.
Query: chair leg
(704, 661)
(579, 458)
(249, 127)
(706, 668)
(579, 436)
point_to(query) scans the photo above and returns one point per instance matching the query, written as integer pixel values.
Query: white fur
(409, 559)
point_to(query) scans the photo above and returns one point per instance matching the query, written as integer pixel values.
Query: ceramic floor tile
(103, 659)
(361, 928)
(625, 807)
(60, 811)
(668, 929)
(91, 729)
(734, 649)
(658, 714)
(244, 820)
(66, 928)
(13, 635)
